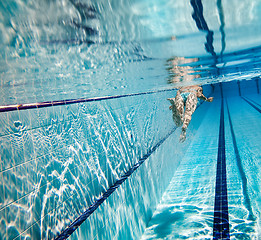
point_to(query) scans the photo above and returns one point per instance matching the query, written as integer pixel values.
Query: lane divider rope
(26, 106)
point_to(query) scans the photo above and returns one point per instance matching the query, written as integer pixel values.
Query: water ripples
(55, 162)
(77, 154)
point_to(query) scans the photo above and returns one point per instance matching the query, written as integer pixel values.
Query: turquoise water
(86, 132)
(186, 208)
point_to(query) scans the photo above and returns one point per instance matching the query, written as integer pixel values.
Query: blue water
(117, 156)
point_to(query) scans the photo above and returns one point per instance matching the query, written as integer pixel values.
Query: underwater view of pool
(88, 145)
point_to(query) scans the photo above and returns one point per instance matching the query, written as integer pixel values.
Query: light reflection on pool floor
(186, 210)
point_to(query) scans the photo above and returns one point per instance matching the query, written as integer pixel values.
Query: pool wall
(126, 213)
(57, 161)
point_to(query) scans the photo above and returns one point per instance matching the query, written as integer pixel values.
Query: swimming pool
(89, 149)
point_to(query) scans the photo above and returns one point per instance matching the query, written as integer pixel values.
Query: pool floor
(187, 208)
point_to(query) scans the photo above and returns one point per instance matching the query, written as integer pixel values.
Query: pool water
(88, 147)
(187, 207)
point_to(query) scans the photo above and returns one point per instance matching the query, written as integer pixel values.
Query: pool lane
(243, 156)
(214, 192)
(187, 207)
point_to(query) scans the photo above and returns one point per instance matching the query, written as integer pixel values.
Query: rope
(26, 106)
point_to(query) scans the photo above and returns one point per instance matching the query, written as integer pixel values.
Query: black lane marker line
(221, 218)
(239, 88)
(74, 225)
(252, 105)
(257, 84)
(254, 102)
(242, 174)
(26, 106)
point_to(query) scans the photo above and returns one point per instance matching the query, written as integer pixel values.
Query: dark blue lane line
(252, 105)
(26, 106)
(221, 218)
(239, 89)
(242, 174)
(221, 90)
(257, 84)
(254, 102)
(74, 225)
